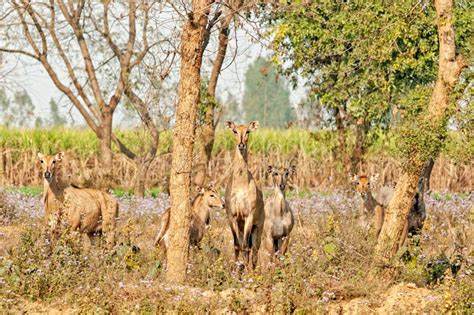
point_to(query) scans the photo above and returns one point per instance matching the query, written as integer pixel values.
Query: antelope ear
(230, 124)
(199, 189)
(292, 169)
(374, 177)
(353, 178)
(253, 125)
(38, 164)
(59, 156)
(210, 185)
(269, 169)
(40, 156)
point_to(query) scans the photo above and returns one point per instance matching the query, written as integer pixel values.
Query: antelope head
(280, 176)
(362, 183)
(241, 133)
(50, 165)
(210, 196)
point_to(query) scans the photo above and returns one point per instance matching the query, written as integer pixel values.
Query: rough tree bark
(341, 138)
(427, 174)
(357, 157)
(450, 66)
(183, 139)
(208, 128)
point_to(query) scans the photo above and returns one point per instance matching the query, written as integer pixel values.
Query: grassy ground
(325, 270)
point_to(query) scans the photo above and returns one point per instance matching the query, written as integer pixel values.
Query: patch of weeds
(32, 191)
(8, 211)
(153, 192)
(122, 192)
(40, 267)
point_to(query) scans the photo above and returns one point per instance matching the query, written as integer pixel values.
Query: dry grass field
(325, 271)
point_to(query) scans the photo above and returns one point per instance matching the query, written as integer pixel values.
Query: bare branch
(78, 32)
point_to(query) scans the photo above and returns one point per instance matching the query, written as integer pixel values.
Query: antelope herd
(251, 220)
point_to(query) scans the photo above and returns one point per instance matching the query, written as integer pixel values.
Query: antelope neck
(200, 209)
(240, 166)
(369, 200)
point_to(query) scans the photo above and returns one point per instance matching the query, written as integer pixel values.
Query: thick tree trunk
(341, 138)
(208, 128)
(140, 177)
(450, 67)
(359, 146)
(183, 139)
(106, 147)
(427, 174)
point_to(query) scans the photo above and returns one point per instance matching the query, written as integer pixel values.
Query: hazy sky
(34, 79)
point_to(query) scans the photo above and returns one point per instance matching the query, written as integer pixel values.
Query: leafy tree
(56, 118)
(18, 111)
(232, 110)
(361, 58)
(266, 97)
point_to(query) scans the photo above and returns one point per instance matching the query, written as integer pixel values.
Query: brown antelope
(201, 206)
(377, 207)
(85, 210)
(279, 218)
(371, 205)
(244, 200)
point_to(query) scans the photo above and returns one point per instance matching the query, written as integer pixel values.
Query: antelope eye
(235, 131)
(287, 173)
(41, 161)
(212, 196)
(54, 162)
(247, 132)
(275, 174)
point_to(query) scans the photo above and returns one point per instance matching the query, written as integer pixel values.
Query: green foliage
(206, 102)
(27, 190)
(266, 96)
(418, 140)
(57, 120)
(319, 145)
(365, 52)
(17, 111)
(372, 58)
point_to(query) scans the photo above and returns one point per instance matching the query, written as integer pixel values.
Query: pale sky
(33, 78)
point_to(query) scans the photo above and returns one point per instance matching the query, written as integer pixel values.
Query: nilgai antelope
(244, 200)
(201, 206)
(378, 205)
(88, 211)
(279, 218)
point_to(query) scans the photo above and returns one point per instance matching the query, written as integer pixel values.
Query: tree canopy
(362, 55)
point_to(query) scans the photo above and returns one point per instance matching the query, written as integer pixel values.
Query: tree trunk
(208, 128)
(106, 148)
(140, 177)
(359, 146)
(341, 137)
(183, 139)
(427, 174)
(449, 69)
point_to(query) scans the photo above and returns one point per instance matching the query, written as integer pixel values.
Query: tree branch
(78, 32)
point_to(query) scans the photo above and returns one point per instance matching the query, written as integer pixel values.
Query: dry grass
(327, 263)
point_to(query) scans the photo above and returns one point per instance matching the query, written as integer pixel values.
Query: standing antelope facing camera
(201, 206)
(377, 207)
(244, 200)
(371, 205)
(85, 210)
(279, 218)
